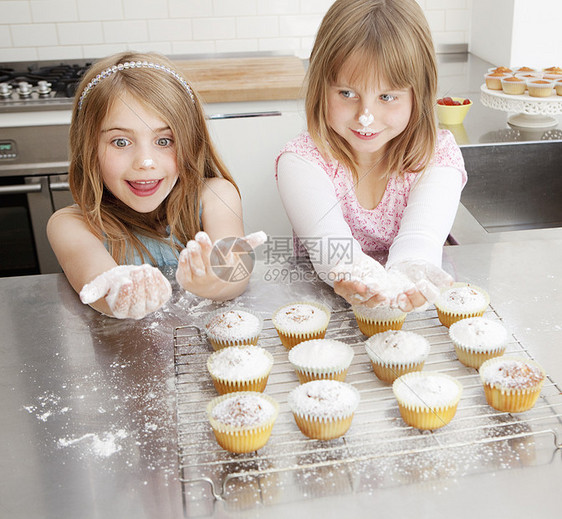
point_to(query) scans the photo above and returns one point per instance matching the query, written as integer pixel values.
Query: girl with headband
(149, 189)
(373, 175)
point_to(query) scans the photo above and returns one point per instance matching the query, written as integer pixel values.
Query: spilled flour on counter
(101, 446)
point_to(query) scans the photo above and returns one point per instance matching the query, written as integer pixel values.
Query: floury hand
(130, 291)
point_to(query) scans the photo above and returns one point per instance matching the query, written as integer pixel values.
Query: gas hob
(33, 86)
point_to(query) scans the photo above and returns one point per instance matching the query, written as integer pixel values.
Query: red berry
(448, 101)
(440, 102)
(466, 102)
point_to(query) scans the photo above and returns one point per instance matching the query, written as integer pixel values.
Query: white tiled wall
(73, 29)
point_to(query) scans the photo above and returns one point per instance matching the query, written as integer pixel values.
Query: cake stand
(530, 112)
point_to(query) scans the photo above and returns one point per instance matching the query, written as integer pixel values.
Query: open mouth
(144, 187)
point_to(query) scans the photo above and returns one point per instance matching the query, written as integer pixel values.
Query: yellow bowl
(452, 115)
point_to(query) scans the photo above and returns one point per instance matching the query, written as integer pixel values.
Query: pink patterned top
(375, 229)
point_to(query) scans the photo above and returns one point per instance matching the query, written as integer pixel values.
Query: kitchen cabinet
(249, 146)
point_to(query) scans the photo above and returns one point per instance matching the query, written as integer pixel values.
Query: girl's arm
(417, 250)
(126, 291)
(221, 218)
(314, 211)
(428, 217)
(80, 253)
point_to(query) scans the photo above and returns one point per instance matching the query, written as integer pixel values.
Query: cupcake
(501, 69)
(513, 85)
(323, 409)
(553, 70)
(478, 339)
(321, 359)
(528, 75)
(540, 87)
(512, 384)
(461, 301)
(233, 327)
(395, 352)
(378, 319)
(558, 87)
(301, 321)
(427, 400)
(494, 80)
(242, 421)
(240, 368)
(524, 69)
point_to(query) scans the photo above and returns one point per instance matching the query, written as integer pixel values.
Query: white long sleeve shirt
(313, 208)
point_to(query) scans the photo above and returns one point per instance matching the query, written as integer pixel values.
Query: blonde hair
(196, 157)
(389, 41)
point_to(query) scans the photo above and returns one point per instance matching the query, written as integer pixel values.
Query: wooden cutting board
(245, 79)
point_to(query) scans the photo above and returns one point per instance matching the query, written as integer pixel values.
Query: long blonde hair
(196, 157)
(388, 40)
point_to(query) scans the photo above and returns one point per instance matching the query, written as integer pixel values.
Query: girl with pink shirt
(373, 170)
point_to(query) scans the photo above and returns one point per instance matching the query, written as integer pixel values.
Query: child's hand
(366, 282)
(355, 292)
(130, 291)
(195, 273)
(428, 279)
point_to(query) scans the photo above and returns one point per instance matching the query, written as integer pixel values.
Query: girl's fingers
(256, 239)
(183, 273)
(195, 258)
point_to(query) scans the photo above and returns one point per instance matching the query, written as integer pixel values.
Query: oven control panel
(8, 150)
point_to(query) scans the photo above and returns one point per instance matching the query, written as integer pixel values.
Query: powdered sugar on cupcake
(324, 399)
(397, 346)
(378, 313)
(478, 334)
(234, 325)
(321, 354)
(240, 363)
(300, 317)
(426, 390)
(243, 410)
(511, 373)
(463, 299)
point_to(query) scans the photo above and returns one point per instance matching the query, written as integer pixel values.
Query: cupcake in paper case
(378, 319)
(323, 409)
(242, 421)
(478, 339)
(319, 359)
(233, 327)
(461, 301)
(395, 352)
(427, 400)
(301, 321)
(240, 368)
(512, 384)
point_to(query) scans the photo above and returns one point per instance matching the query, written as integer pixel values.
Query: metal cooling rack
(378, 450)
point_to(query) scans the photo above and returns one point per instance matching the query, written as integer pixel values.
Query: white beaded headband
(133, 64)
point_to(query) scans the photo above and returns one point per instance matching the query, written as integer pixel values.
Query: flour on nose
(147, 163)
(366, 119)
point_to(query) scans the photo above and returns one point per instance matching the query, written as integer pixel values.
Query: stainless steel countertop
(88, 402)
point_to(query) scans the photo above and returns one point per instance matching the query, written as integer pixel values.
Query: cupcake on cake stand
(529, 112)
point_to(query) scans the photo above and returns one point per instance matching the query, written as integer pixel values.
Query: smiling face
(367, 116)
(137, 155)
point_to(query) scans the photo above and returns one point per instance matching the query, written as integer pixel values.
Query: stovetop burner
(32, 86)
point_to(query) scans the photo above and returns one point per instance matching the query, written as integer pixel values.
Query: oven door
(26, 204)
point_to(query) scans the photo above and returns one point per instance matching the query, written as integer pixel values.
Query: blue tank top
(163, 253)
